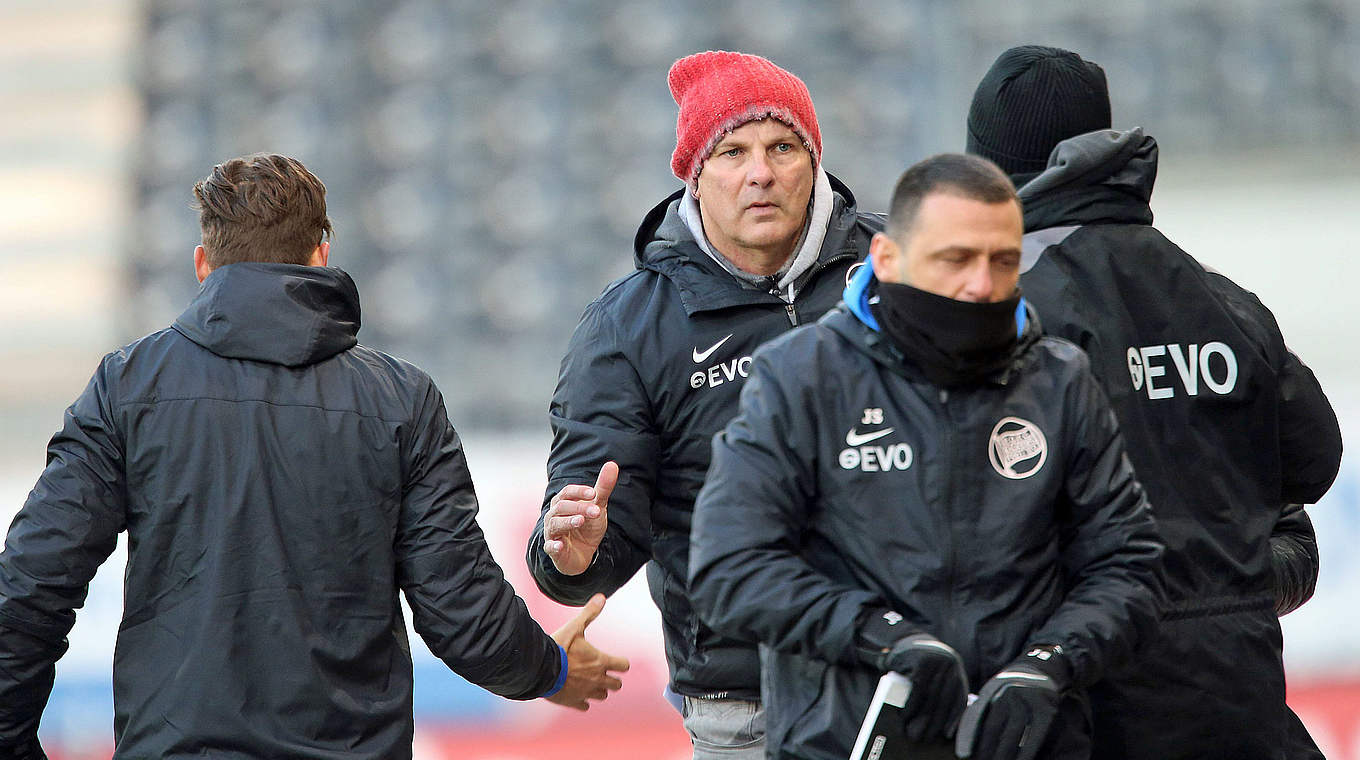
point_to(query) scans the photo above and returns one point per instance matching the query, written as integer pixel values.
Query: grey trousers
(725, 729)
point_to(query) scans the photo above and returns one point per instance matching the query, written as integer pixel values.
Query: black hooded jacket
(278, 484)
(652, 372)
(994, 516)
(1227, 429)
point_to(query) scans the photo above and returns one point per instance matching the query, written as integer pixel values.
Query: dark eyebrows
(974, 251)
(955, 249)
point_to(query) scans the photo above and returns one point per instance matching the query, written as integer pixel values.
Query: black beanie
(1030, 100)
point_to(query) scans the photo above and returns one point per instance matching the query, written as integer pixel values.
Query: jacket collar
(853, 319)
(859, 291)
(278, 313)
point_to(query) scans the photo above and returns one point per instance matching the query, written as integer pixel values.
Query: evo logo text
(861, 456)
(1214, 365)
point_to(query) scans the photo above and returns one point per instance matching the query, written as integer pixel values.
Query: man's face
(957, 247)
(754, 189)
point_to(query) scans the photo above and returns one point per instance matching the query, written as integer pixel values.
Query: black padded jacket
(278, 484)
(995, 517)
(652, 372)
(1227, 430)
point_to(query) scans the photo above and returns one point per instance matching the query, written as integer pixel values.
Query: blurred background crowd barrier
(487, 165)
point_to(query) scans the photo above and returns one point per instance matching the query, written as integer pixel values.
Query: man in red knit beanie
(758, 241)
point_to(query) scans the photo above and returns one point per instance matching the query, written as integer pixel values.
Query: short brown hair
(262, 207)
(965, 176)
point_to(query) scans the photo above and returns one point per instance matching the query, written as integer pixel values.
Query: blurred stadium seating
(488, 163)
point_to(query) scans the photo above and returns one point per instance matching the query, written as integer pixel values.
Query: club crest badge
(1017, 448)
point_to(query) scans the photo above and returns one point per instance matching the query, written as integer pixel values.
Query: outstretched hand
(576, 522)
(588, 669)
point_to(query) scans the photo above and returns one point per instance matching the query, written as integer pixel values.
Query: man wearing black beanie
(1229, 431)
(1030, 100)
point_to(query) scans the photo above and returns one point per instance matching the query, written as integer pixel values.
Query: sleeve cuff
(574, 590)
(1050, 660)
(561, 676)
(878, 629)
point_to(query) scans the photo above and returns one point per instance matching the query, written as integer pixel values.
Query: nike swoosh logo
(859, 439)
(699, 356)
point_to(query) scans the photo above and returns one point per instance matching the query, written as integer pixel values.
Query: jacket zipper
(790, 310)
(946, 626)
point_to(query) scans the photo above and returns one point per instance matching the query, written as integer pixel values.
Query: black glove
(939, 684)
(1293, 559)
(1014, 710)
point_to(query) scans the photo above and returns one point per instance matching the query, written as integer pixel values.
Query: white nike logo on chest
(699, 356)
(859, 439)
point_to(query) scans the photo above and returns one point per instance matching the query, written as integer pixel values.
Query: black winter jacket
(278, 484)
(652, 372)
(1225, 427)
(994, 517)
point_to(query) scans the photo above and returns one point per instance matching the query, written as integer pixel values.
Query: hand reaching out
(576, 522)
(588, 669)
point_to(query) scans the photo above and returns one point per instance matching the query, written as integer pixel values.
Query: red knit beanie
(718, 91)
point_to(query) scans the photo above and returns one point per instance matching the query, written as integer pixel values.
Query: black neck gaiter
(953, 342)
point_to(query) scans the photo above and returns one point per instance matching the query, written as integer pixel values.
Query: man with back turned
(1228, 430)
(279, 484)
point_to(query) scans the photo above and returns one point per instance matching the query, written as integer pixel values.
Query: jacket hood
(853, 315)
(1099, 177)
(279, 313)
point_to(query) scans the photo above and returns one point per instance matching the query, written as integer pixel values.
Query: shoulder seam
(355, 412)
